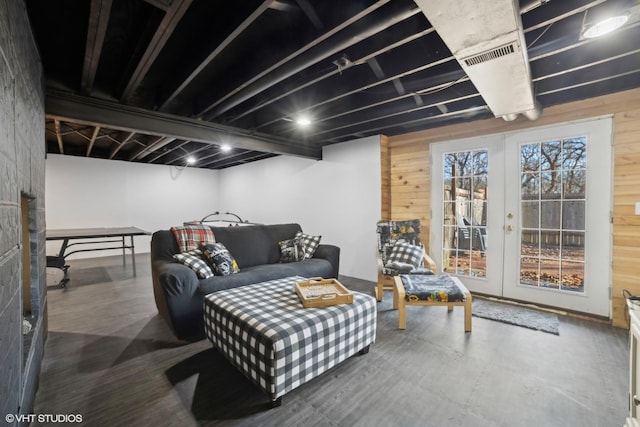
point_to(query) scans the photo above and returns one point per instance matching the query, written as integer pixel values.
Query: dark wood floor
(110, 358)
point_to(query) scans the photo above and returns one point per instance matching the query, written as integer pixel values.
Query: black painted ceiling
(157, 80)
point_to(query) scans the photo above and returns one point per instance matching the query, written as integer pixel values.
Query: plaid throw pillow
(405, 255)
(291, 250)
(310, 243)
(190, 236)
(193, 260)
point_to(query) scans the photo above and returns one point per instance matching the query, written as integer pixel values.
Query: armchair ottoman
(428, 290)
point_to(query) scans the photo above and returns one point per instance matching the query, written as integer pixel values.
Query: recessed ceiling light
(303, 121)
(225, 147)
(191, 160)
(605, 26)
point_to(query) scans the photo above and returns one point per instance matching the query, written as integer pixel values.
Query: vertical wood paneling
(385, 191)
(626, 225)
(407, 184)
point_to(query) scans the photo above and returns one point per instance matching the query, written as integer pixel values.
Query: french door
(526, 215)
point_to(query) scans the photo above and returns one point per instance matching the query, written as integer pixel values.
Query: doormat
(517, 315)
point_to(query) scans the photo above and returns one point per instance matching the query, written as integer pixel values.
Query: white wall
(337, 197)
(83, 192)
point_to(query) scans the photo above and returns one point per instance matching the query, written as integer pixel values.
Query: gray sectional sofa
(179, 293)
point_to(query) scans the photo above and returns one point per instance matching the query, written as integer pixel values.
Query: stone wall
(22, 172)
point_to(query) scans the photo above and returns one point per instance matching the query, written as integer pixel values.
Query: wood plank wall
(406, 176)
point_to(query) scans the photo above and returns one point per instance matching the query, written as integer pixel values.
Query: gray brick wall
(22, 172)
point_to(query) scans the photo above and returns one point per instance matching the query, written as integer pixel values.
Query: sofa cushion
(314, 267)
(311, 243)
(190, 236)
(193, 260)
(248, 244)
(255, 244)
(291, 250)
(219, 259)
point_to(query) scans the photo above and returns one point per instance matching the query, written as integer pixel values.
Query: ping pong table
(91, 236)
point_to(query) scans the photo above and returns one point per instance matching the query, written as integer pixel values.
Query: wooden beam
(119, 145)
(93, 140)
(56, 123)
(165, 29)
(82, 110)
(98, 21)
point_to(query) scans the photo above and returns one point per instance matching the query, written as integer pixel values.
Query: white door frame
(597, 273)
(503, 267)
(492, 283)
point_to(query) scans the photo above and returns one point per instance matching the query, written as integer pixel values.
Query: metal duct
(488, 42)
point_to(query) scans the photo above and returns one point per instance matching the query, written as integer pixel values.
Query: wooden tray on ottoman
(319, 292)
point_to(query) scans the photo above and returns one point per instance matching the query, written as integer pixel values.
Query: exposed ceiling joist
(256, 67)
(303, 58)
(98, 21)
(120, 144)
(111, 115)
(226, 42)
(172, 17)
(59, 136)
(96, 130)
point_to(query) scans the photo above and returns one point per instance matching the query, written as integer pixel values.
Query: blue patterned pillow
(193, 260)
(291, 250)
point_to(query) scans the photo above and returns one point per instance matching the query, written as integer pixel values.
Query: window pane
(550, 155)
(480, 162)
(573, 214)
(530, 157)
(530, 214)
(573, 245)
(530, 188)
(550, 184)
(574, 184)
(529, 271)
(550, 274)
(550, 215)
(574, 154)
(573, 276)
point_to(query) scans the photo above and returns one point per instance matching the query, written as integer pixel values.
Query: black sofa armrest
(174, 288)
(332, 254)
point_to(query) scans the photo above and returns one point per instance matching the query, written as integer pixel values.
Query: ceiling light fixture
(599, 22)
(605, 26)
(303, 121)
(225, 148)
(191, 160)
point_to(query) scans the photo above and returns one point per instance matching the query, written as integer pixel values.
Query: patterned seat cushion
(434, 287)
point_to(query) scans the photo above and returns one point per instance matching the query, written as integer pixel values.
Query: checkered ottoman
(264, 331)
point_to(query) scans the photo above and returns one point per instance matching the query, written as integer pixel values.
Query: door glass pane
(552, 214)
(465, 212)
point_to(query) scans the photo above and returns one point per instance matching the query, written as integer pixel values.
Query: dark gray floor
(111, 359)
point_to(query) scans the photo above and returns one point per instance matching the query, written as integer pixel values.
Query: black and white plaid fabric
(193, 260)
(265, 332)
(310, 243)
(404, 255)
